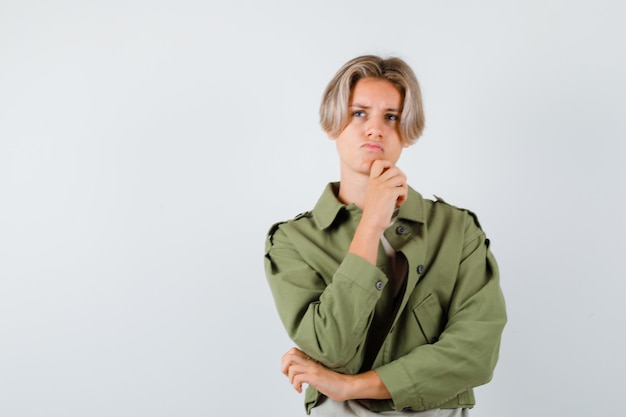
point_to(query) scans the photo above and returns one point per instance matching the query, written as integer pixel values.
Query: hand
(387, 188)
(300, 369)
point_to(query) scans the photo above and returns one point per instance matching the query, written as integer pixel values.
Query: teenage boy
(393, 300)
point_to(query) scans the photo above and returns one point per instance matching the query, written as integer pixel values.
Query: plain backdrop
(147, 146)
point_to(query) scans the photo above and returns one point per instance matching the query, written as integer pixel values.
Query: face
(373, 128)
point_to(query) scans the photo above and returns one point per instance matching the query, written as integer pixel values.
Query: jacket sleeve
(327, 320)
(466, 352)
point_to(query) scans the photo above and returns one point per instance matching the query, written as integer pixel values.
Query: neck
(352, 189)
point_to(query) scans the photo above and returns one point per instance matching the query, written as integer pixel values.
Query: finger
(290, 357)
(297, 375)
(297, 384)
(401, 200)
(393, 172)
(378, 167)
(403, 195)
(393, 178)
(301, 377)
(293, 363)
(286, 361)
(394, 182)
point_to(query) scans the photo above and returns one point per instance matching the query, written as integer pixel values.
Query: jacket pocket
(430, 317)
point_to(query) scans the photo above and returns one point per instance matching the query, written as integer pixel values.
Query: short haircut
(334, 114)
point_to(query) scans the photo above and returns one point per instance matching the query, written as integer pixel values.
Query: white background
(147, 146)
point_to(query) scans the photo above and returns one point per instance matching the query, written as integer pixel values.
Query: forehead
(370, 91)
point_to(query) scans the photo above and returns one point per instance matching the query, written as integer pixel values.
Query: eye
(392, 117)
(358, 113)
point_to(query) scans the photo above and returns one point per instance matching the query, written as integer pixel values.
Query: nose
(374, 129)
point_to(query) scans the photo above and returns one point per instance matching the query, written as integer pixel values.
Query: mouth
(373, 147)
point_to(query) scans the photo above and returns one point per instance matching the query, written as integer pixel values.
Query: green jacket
(432, 344)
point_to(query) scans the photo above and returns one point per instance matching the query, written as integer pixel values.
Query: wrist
(372, 224)
(365, 242)
(368, 385)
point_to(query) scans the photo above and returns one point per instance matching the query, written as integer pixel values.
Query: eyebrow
(361, 106)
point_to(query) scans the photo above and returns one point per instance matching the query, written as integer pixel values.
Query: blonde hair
(335, 100)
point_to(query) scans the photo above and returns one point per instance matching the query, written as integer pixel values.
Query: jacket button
(420, 269)
(379, 285)
(401, 230)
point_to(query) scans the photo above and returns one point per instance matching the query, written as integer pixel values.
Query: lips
(374, 147)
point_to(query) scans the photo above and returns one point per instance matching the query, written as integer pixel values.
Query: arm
(301, 369)
(429, 375)
(327, 305)
(466, 352)
(326, 316)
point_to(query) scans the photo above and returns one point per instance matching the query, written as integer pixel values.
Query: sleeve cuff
(362, 273)
(399, 385)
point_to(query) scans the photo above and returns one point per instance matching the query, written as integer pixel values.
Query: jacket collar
(328, 207)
